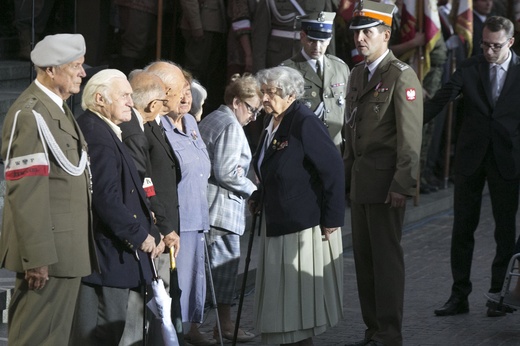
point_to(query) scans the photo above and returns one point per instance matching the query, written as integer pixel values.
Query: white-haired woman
(301, 193)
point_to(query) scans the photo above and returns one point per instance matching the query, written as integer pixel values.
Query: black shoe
(496, 310)
(374, 343)
(453, 306)
(359, 343)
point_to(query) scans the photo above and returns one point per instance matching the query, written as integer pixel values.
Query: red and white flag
(464, 22)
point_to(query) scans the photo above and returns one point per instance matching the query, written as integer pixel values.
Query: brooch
(280, 145)
(194, 135)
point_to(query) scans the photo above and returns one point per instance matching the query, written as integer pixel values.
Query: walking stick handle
(172, 259)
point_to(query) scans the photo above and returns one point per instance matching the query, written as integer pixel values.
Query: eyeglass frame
(270, 93)
(495, 47)
(254, 111)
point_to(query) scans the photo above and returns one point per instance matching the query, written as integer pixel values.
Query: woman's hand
(326, 231)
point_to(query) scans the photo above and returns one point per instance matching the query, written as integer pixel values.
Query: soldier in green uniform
(325, 75)
(384, 124)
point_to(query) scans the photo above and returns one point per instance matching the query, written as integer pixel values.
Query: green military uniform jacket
(270, 50)
(332, 91)
(384, 130)
(46, 219)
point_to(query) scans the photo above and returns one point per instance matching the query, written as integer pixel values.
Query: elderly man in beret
(46, 238)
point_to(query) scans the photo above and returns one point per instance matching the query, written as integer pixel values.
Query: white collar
(113, 126)
(53, 96)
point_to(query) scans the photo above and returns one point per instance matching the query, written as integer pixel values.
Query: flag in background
(421, 15)
(462, 10)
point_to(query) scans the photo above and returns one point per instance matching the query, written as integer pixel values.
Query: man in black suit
(122, 221)
(488, 149)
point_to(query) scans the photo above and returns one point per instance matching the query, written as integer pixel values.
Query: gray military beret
(59, 49)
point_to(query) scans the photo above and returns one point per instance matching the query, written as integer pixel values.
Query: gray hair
(198, 96)
(289, 80)
(100, 83)
(146, 87)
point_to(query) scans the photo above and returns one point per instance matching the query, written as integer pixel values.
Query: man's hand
(148, 244)
(396, 200)
(159, 249)
(327, 231)
(37, 277)
(172, 240)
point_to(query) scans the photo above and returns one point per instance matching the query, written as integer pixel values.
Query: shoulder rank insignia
(400, 65)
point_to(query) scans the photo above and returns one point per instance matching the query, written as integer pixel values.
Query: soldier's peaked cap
(370, 13)
(318, 26)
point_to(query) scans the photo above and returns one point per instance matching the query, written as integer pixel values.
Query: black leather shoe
(359, 343)
(496, 310)
(453, 306)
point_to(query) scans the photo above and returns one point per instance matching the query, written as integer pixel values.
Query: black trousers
(467, 205)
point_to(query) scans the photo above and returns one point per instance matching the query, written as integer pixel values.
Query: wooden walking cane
(244, 280)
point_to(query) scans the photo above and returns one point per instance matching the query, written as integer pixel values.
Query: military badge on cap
(318, 26)
(370, 13)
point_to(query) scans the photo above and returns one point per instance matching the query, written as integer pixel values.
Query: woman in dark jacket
(301, 192)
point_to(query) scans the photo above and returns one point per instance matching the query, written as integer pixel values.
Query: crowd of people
(162, 166)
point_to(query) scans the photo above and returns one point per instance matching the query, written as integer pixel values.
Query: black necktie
(365, 77)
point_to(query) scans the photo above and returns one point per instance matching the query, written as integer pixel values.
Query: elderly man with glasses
(488, 150)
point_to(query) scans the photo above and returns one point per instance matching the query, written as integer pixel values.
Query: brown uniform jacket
(384, 132)
(46, 220)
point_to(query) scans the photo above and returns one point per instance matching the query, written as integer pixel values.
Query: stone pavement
(426, 246)
(426, 243)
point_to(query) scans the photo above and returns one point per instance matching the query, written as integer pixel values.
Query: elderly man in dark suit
(488, 149)
(384, 123)
(122, 220)
(46, 236)
(149, 96)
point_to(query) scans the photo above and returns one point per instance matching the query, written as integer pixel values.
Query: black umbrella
(175, 294)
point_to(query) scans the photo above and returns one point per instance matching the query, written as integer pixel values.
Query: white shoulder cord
(48, 139)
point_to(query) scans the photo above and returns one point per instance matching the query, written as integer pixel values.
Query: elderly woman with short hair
(228, 189)
(301, 193)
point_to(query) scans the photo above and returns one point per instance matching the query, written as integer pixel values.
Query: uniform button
(135, 216)
(132, 191)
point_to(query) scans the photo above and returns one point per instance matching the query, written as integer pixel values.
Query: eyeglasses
(495, 47)
(254, 111)
(271, 92)
(164, 101)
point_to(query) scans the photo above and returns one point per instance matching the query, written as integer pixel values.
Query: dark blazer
(165, 175)
(301, 176)
(483, 124)
(122, 220)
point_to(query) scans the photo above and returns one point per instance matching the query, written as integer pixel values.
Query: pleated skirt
(299, 285)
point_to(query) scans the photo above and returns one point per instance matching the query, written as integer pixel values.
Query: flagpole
(420, 70)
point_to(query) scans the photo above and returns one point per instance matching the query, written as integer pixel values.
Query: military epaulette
(400, 65)
(335, 58)
(29, 104)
